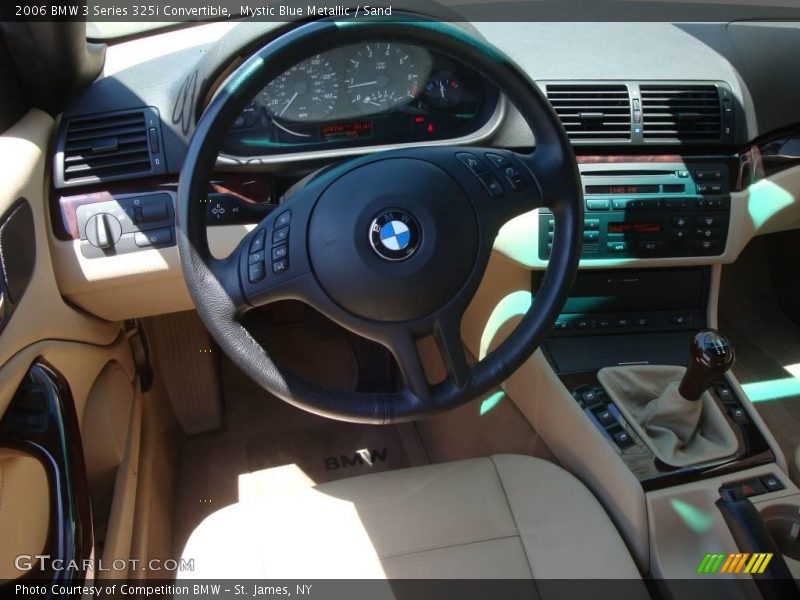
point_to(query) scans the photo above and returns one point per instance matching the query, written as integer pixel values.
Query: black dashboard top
(752, 59)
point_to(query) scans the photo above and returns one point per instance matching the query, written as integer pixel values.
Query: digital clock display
(622, 189)
(346, 131)
(634, 227)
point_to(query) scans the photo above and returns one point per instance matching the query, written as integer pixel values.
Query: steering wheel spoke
(403, 346)
(448, 339)
(446, 332)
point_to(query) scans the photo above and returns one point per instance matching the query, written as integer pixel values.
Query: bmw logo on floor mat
(394, 234)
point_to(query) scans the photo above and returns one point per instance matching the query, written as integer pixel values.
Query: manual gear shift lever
(677, 420)
(712, 355)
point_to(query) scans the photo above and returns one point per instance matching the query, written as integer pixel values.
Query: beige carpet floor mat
(262, 432)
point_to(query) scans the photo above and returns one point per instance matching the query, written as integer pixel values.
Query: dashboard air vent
(593, 112)
(109, 146)
(684, 112)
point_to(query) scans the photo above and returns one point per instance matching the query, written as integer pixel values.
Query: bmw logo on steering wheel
(394, 234)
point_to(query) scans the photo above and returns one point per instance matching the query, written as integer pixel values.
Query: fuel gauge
(443, 91)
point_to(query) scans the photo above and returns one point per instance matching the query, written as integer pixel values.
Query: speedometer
(382, 75)
(306, 92)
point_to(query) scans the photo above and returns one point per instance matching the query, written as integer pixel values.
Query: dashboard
(685, 134)
(378, 93)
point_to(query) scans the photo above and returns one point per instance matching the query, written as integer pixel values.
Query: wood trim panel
(769, 156)
(56, 443)
(252, 188)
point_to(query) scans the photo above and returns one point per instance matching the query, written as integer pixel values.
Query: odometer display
(346, 131)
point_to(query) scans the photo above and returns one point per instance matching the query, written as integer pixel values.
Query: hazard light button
(751, 487)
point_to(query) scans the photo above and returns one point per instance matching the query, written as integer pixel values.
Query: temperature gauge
(443, 91)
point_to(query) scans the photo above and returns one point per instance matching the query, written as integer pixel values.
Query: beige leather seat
(505, 516)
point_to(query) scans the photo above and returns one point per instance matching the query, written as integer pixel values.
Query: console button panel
(756, 486)
(650, 211)
(603, 413)
(627, 322)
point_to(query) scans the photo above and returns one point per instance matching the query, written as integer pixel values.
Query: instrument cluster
(366, 94)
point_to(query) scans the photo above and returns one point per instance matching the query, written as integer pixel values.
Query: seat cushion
(505, 516)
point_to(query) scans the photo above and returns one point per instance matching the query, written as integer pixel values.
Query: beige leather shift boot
(680, 432)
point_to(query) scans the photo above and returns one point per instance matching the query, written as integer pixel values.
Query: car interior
(402, 298)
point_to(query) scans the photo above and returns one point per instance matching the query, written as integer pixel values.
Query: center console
(650, 210)
(639, 317)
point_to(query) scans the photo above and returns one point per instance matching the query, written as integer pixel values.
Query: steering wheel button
(279, 252)
(472, 162)
(492, 186)
(280, 235)
(255, 272)
(514, 178)
(283, 219)
(280, 266)
(258, 241)
(256, 257)
(497, 160)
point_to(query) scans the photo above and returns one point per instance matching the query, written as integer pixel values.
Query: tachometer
(382, 75)
(306, 92)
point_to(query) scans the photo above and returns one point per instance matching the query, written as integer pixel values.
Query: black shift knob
(712, 355)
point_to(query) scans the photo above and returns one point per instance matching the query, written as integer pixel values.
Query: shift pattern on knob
(711, 356)
(713, 349)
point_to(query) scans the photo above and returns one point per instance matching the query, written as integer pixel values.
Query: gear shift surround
(670, 407)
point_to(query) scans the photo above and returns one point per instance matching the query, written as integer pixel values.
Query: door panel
(90, 365)
(24, 508)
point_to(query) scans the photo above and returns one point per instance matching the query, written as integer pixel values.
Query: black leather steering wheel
(391, 246)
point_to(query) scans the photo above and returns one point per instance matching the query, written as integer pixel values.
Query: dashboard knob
(103, 230)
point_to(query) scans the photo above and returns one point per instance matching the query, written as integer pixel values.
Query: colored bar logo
(734, 563)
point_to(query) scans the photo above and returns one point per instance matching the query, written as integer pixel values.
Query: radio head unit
(650, 210)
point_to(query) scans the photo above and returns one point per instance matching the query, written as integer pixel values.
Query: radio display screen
(634, 227)
(622, 189)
